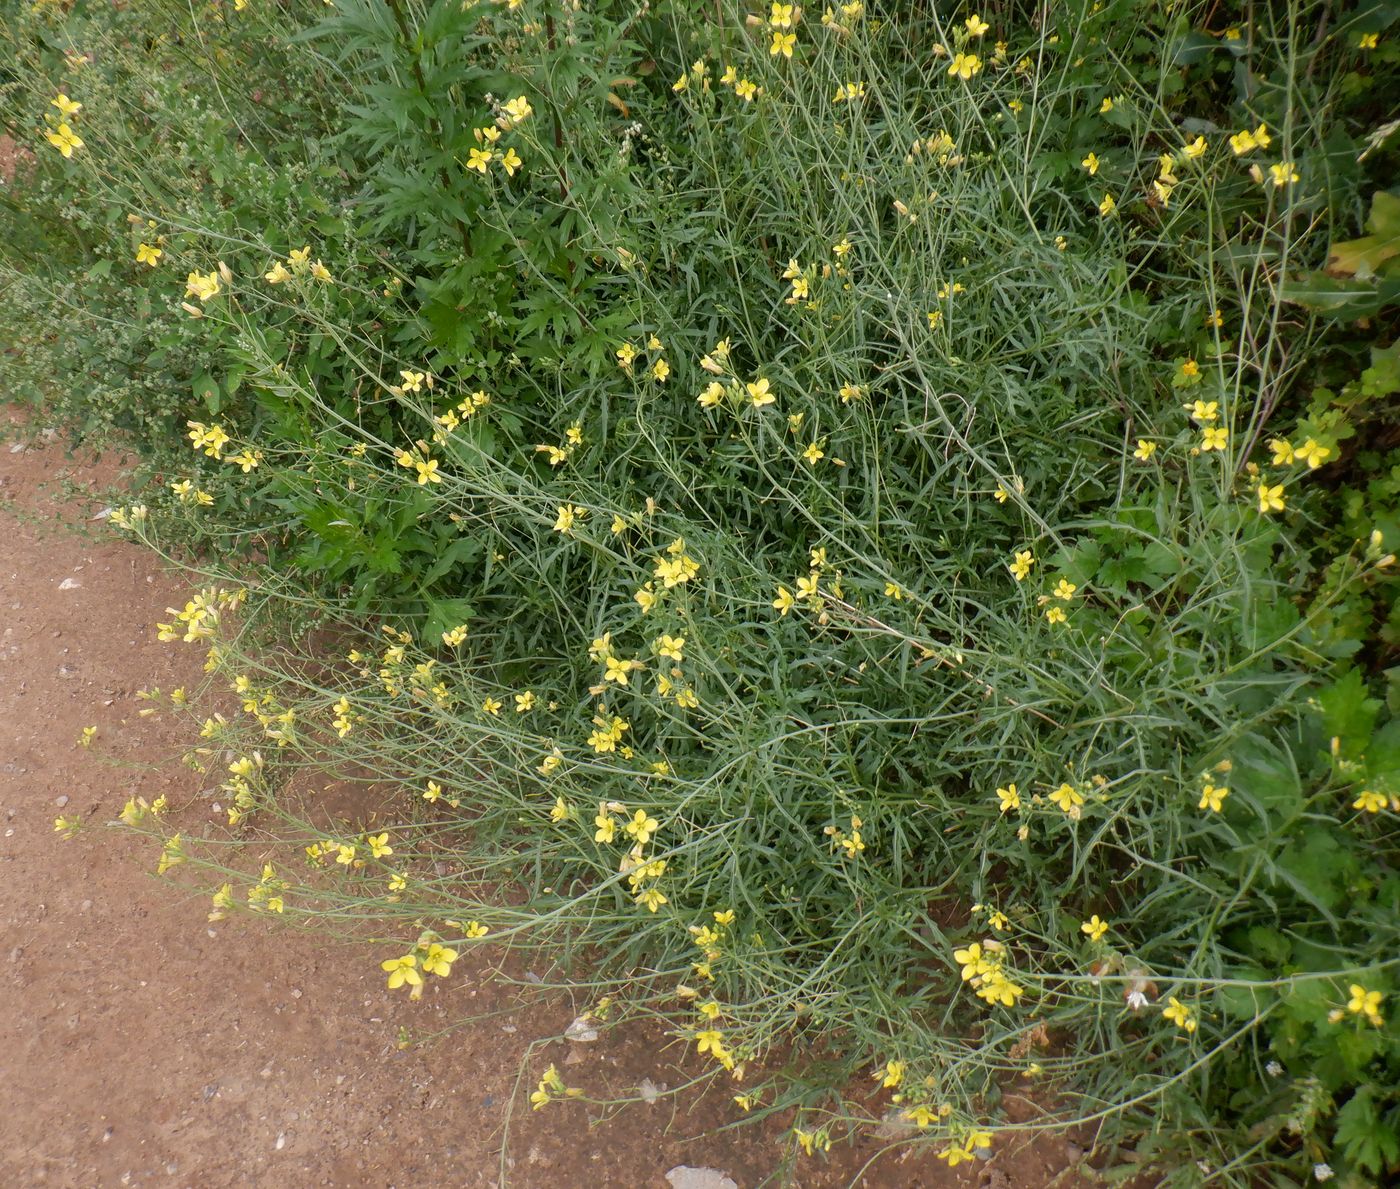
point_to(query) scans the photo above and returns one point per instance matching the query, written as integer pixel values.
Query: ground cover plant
(866, 533)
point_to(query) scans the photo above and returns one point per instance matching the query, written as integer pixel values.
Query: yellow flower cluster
(983, 968)
(266, 894)
(62, 137)
(852, 843)
(657, 365)
(299, 263)
(560, 454)
(709, 938)
(429, 956)
(551, 1086)
(509, 116)
(975, 1146)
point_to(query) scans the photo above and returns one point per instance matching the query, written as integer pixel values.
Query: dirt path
(143, 1046)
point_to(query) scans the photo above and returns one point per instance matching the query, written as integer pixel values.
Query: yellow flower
(1094, 928)
(1313, 454)
(1214, 437)
(814, 453)
(746, 90)
(402, 970)
(492, 706)
(964, 66)
(1065, 590)
(524, 702)
(1020, 566)
(1283, 174)
(652, 898)
(517, 109)
(670, 646)
(511, 162)
(1195, 148)
(976, 26)
(1367, 1003)
(1369, 802)
(65, 140)
(438, 960)
(616, 670)
(1179, 1014)
(66, 107)
(607, 826)
(1106, 106)
(642, 827)
(760, 392)
(781, 16)
(1203, 412)
(202, 285)
(1270, 498)
(1367, 41)
(568, 516)
(710, 1040)
(784, 602)
(1055, 615)
(479, 159)
(433, 792)
(1212, 797)
(1010, 798)
(147, 254)
(1145, 450)
(1091, 163)
(1108, 205)
(712, 395)
(1067, 797)
(277, 274)
(782, 43)
(378, 845)
(661, 370)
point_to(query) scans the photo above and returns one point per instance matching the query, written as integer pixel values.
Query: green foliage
(930, 506)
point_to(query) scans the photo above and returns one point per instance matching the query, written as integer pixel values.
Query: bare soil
(141, 1045)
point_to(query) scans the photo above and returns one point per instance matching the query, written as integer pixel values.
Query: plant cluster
(868, 533)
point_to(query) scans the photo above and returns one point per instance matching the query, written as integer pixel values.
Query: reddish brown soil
(143, 1046)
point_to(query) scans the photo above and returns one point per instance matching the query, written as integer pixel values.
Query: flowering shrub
(868, 525)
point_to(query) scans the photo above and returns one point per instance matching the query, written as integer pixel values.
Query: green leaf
(1348, 711)
(1365, 257)
(1383, 760)
(443, 615)
(1266, 774)
(1362, 1136)
(206, 389)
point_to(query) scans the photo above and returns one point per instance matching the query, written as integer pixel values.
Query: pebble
(61, 801)
(69, 584)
